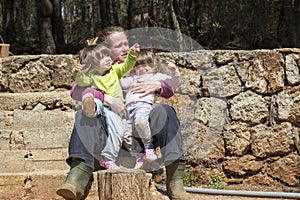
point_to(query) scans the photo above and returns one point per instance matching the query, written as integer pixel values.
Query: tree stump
(124, 184)
(4, 50)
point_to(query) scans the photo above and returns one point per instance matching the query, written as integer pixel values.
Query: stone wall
(239, 112)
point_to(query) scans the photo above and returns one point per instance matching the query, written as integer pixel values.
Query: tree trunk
(8, 22)
(129, 14)
(47, 43)
(176, 25)
(57, 24)
(297, 22)
(103, 13)
(150, 11)
(115, 7)
(287, 28)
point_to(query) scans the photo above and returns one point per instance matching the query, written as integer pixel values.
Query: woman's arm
(116, 105)
(166, 91)
(160, 87)
(77, 92)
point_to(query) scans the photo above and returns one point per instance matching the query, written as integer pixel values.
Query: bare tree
(289, 22)
(104, 13)
(175, 22)
(44, 12)
(8, 22)
(57, 24)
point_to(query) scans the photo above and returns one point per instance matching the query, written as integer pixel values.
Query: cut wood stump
(124, 184)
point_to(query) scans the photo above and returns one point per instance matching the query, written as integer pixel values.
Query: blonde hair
(91, 55)
(106, 32)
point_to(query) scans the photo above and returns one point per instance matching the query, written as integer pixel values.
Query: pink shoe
(150, 155)
(140, 159)
(109, 165)
(88, 105)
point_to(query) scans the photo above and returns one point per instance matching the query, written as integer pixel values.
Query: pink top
(128, 82)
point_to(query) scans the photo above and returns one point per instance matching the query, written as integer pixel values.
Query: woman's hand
(145, 87)
(116, 105)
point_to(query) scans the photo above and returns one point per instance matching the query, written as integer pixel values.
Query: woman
(88, 136)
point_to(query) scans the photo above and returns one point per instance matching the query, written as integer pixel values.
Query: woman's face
(119, 46)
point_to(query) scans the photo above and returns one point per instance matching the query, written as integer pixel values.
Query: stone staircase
(36, 121)
(34, 144)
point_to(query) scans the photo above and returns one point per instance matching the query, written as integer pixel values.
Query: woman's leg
(88, 138)
(165, 126)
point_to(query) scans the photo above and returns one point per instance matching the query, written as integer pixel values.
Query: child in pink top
(139, 106)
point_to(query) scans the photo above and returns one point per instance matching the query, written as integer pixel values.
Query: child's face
(143, 69)
(104, 64)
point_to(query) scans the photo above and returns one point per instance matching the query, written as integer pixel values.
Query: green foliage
(190, 178)
(217, 25)
(218, 182)
(202, 32)
(214, 24)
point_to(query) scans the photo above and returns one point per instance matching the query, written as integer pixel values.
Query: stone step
(43, 185)
(28, 101)
(35, 120)
(21, 161)
(37, 185)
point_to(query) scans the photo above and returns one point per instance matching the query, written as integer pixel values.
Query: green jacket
(110, 81)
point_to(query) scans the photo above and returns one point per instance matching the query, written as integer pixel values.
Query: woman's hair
(103, 34)
(148, 57)
(91, 55)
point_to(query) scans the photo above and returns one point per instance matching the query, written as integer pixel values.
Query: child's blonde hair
(91, 55)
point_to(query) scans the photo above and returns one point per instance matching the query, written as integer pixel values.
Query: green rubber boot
(175, 173)
(77, 181)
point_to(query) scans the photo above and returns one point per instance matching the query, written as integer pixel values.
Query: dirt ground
(225, 197)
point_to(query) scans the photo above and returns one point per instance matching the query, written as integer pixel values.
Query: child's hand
(135, 48)
(171, 66)
(78, 67)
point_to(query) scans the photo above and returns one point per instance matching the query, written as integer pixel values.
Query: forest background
(62, 26)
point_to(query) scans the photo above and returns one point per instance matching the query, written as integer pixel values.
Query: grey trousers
(89, 136)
